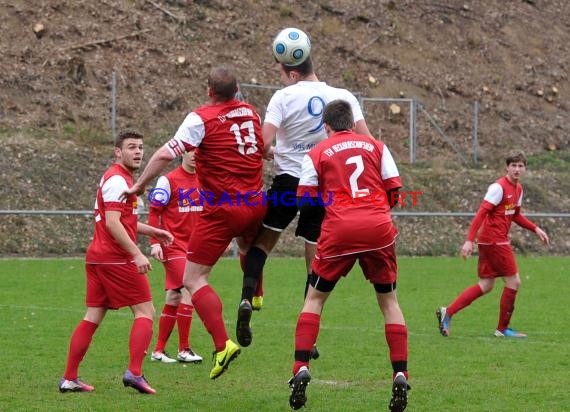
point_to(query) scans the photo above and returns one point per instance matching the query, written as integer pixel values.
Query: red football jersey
(177, 210)
(350, 174)
(503, 199)
(229, 148)
(104, 248)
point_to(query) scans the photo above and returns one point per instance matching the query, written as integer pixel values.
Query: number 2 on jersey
(245, 140)
(356, 191)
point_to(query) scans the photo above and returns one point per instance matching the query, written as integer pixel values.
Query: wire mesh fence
(68, 233)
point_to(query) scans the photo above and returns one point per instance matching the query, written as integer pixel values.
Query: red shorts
(496, 261)
(115, 286)
(378, 266)
(217, 225)
(174, 272)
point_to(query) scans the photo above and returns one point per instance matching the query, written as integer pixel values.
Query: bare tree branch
(104, 41)
(168, 13)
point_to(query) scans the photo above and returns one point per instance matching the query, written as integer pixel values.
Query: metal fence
(259, 95)
(24, 212)
(69, 232)
(412, 106)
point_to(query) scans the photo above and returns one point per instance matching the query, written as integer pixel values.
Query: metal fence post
(475, 131)
(413, 130)
(114, 105)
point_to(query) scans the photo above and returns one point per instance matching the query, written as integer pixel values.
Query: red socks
(165, 325)
(139, 341)
(464, 299)
(306, 334)
(171, 315)
(397, 339)
(307, 331)
(78, 345)
(507, 308)
(184, 320)
(209, 307)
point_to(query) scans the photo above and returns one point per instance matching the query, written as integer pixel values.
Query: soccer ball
(291, 46)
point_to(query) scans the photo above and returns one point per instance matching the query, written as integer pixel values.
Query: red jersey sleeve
(154, 220)
(522, 221)
(478, 220)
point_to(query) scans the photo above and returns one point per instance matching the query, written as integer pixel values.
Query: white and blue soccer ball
(291, 46)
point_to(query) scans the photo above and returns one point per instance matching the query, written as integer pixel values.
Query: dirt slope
(55, 88)
(511, 56)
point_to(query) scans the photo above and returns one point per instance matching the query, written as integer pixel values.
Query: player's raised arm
(157, 163)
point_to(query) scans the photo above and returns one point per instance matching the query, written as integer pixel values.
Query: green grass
(42, 301)
(551, 160)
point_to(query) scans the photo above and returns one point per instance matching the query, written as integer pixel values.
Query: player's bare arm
(156, 252)
(157, 163)
(117, 230)
(268, 132)
(467, 249)
(542, 235)
(163, 236)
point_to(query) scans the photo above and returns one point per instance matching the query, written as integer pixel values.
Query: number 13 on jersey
(246, 143)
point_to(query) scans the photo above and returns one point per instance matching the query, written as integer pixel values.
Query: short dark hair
(223, 83)
(338, 115)
(304, 68)
(127, 134)
(515, 157)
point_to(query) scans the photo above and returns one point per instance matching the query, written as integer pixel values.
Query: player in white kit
(294, 121)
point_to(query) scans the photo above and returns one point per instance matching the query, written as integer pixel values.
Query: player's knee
(322, 285)
(513, 282)
(189, 283)
(95, 315)
(267, 239)
(144, 310)
(384, 287)
(486, 285)
(173, 297)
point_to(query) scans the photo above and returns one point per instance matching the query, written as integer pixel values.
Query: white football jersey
(297, 112)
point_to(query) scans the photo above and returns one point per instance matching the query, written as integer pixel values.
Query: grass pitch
(43, 300)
